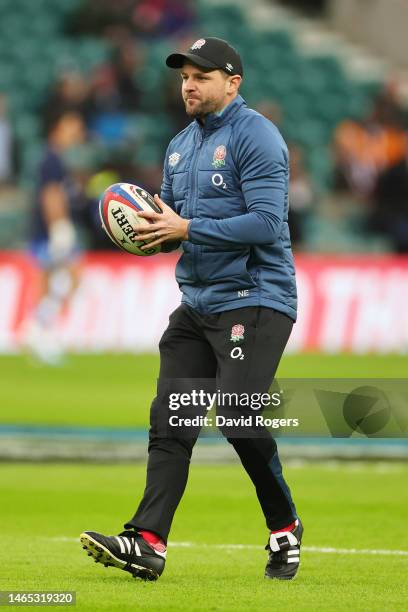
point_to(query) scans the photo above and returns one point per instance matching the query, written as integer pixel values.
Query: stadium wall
(122, 303)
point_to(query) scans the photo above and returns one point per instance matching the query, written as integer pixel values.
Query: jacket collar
(214, 121)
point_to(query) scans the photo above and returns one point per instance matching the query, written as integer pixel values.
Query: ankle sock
(154, 540)
(288, 528)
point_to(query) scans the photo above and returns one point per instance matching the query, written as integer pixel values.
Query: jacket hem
(244, 302)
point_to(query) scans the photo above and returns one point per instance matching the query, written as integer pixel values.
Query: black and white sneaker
(127, 551)
(284, 553)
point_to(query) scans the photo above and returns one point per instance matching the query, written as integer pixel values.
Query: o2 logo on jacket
(218, 180)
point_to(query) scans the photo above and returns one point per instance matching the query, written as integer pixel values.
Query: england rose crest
(219, 156)
(198, 44)
(237, 332)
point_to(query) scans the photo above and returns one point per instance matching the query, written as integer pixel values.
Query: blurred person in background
(390, 205)
(147, 18)
(364, 149)
(301, 195)
(113, 87)
(71, 90)
(128, 58)
(53, 238)
(93, 17)
(6, 144)
(114, 93)
(162, 18)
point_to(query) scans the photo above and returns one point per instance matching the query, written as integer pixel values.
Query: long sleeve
(166, 194)
(262, 161)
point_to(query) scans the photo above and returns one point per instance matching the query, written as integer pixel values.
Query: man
(389, 214)
(224, 197)
(53, 241)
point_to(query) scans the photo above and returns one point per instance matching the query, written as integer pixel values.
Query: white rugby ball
(118, 209)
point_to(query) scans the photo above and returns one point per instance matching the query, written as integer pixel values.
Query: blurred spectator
(128, 58)
(6, 153)
(161, 18)
(95, 17)
(114, 92)
(70, 91)
(390, 205)
(365, 149)
(301, 196)
(149, 18)
(54, 239)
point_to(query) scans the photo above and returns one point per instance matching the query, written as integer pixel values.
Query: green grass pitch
(116, 390)
(344, 506)
(44, 507)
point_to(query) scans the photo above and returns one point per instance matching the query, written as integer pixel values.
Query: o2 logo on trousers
(237, 353)
(218, 180)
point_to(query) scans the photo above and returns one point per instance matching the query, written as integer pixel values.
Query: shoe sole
(284, 576)
(101, 554)
(279, 577)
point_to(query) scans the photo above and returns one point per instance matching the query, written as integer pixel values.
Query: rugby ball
(118, 209)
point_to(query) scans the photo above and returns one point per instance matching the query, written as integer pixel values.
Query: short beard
(203, 109)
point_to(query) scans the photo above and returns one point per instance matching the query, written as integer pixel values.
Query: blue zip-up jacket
(230, 176)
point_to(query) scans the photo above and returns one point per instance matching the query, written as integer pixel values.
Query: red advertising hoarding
(122, 303)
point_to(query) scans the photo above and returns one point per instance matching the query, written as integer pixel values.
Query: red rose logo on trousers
(237, 332)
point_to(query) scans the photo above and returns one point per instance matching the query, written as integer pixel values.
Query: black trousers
(233, 359)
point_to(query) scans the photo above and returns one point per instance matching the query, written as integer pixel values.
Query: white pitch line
(309, 549)
(355, 551)
(312, 549)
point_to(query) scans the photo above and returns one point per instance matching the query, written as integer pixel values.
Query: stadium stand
(313, 91)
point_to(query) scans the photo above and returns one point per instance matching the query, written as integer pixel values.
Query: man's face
(204, 92)
(70, 130)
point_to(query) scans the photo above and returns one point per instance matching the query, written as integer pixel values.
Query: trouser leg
(265, 335)
(184, 354)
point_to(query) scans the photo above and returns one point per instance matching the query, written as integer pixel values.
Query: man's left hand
(167, 226)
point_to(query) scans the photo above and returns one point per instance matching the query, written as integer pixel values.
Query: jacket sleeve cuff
(190, 230)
